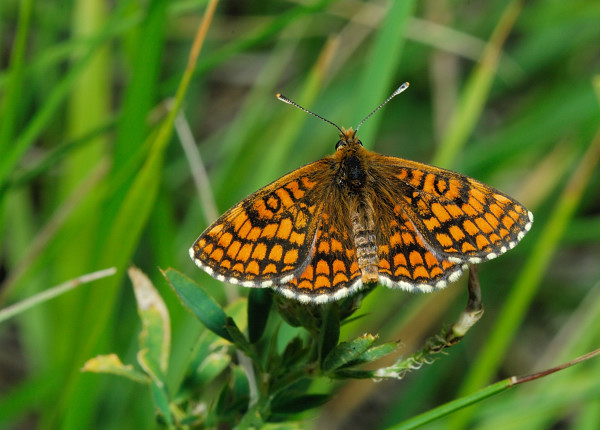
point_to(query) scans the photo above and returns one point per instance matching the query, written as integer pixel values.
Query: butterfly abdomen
(365, 242)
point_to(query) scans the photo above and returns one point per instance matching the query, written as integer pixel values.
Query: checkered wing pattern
(267, 238)
(454, 217)
(406, 260)
(333, 271)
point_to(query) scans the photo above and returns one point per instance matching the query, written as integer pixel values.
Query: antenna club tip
(283, 98)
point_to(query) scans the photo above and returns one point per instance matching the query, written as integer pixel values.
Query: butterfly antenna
(290, 102)
(400, 89)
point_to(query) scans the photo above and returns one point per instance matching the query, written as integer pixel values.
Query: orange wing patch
(265, 239)
(333, 272)
(458, 218)
(408, 262)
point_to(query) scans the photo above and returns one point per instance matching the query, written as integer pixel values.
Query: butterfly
(356, 218)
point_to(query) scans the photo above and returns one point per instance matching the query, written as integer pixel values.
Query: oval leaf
(347, 352)
(259, 306)
(156, 325)
(199, 303)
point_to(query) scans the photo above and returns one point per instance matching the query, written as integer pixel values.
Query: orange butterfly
(321, 232)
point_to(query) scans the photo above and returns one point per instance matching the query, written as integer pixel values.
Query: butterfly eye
(359, 142)
(340, 144)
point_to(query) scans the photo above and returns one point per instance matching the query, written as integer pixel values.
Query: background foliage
(500, 91)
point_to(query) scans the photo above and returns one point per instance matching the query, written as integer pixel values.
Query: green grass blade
(42, 118)
(379, 78)
(10, 109)
(476, 91)
(51, 293)
(453, 406)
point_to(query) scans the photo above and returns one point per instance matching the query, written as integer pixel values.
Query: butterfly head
(347, 137)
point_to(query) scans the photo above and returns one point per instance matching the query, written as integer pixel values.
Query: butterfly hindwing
(407, 261)
(332, 271)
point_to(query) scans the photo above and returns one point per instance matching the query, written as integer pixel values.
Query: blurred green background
(501, 91)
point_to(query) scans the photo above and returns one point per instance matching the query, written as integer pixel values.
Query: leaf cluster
(246, 377)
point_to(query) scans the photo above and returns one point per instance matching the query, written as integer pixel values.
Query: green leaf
(211, 367)
(330, 331)
(156, 326)
(199, 303)
(234, 397)
(161, 400)
(111, 363)
(158, 386)
(259, 306)
(292, 405)
(347, 352)
(238, 337)
(376, 352)
(151, 366)
(293, 352)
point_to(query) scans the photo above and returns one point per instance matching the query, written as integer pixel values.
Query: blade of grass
(288, 131)
(54, 156)
(379, 79)
(123, 236)
(498, 387)
(11, 105)
(250, 121)
(564, 109)
(50, 229)
(43, 117)
(554, 401)
(89, 102)
(140, 93)
(87, 105)
(16, 402)
(476, 91)
(17, 308)
(259, 36)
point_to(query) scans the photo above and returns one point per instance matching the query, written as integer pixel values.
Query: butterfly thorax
(350, 163)
(351, 178)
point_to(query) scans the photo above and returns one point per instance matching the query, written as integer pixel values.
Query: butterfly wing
(407, 261)
(332, 273)
(439, 222)
(266, 239)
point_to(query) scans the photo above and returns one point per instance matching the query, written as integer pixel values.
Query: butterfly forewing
(458, 218)
(266, 238)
